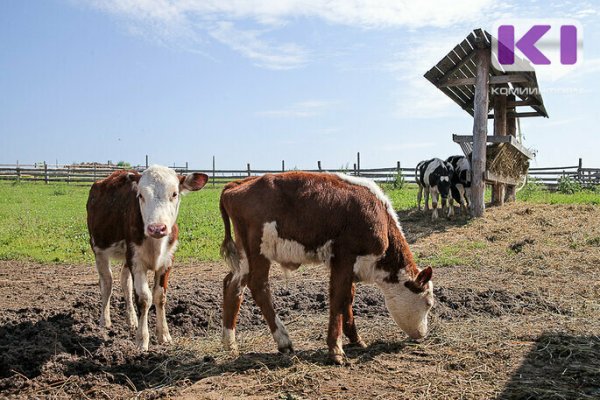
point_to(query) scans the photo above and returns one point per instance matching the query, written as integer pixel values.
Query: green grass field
(47, 223)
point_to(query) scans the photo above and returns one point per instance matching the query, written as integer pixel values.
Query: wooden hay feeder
(466, 76)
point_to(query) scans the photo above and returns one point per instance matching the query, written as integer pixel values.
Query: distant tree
(123, 164)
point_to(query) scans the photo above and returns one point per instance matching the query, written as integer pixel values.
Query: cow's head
(409, 302)
(445, 176)
(158, 191)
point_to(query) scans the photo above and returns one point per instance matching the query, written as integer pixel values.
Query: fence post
(248, 169)
(213, 172)
(45, 172)
(68, 175)
(18, 172)
(319, 165)
(282, 165)
(94, 172)
(186, 166)
(146, 161)
(358, 164)
(354, 169)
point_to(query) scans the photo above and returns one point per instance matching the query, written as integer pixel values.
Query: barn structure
(467, 76)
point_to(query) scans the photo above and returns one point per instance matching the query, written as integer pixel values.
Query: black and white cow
(434, 177)
(460, 183)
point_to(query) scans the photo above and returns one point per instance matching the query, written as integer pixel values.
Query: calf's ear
(134, 178)
(424, 276)
(192, 182)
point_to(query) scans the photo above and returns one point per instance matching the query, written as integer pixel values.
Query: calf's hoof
(337, 359)
(143, 346)
(286, 349)
(359, 344)
(164, 339)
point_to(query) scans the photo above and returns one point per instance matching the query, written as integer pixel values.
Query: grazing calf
(131, 217)
(346, 223)
(433, 176)
(460, 183)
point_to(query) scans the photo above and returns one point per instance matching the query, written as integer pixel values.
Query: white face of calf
(409, 303)
(158, 191)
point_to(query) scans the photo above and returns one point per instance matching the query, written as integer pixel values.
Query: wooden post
(187, 165)
(46, 172)
(358, 164)
(480, 113)
(282, 165)
(95, 172)
(146, 161)
(248, 169)
(19, 172)
(319, 165)
(500, 102)
(213, 172)
(354, 169)
(511, 129)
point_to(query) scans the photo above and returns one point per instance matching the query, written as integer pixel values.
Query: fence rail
(89, 173)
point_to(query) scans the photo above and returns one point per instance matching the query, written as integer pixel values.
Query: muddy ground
(517, 316)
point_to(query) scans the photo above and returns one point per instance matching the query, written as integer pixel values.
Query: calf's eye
(174, 194)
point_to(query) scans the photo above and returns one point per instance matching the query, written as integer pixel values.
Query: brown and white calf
(131, 217)
(343, 222)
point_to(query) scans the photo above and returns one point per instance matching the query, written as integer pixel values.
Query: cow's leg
(450, 206)
(103, 267)
(159, 297)
(258, 282)
(463, 200)
(468, 198)
(434, 201)
(127, 286)
(340, 299)
(144, 298)
(349, 323)
(419, 196)
(427, 198)
(233, 295)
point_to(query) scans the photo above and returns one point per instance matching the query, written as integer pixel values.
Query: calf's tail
(229, 251)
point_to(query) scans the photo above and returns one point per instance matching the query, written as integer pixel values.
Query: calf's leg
(144, 297)
(159, 296)
(233, 295)
(419, 196)
(127, 286)
(340, 300)
(426, 198)
(258, 282)
(106, 280)
(349, 325)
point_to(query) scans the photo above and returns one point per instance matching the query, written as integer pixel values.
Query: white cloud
(249, 44)
(303, 109)
(194, 21)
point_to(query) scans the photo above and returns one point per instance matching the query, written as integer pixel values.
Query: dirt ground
(517, 316)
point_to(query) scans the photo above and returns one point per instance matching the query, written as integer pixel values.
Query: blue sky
(262, 81)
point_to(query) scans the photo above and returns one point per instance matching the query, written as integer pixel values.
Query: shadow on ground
(559, 367)
(418, 224)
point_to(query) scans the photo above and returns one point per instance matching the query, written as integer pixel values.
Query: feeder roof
(455, 76)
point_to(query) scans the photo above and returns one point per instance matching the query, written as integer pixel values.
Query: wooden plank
(494, 178)
(520, 114)
(493, 80)
(480, 132)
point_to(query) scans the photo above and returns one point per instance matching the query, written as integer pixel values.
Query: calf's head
(158, 191)
(409, 302)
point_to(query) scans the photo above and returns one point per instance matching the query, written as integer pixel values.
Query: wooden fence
(90, 173)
